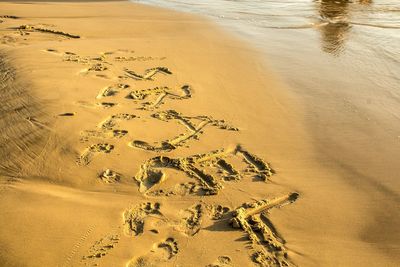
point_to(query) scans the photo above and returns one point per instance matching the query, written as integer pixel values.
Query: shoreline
(142, 101)
(351, 121)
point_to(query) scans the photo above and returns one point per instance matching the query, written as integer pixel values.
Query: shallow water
(334, 20)
(342, 61)
(319, 41)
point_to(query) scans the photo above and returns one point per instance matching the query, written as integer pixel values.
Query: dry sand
(132, 136)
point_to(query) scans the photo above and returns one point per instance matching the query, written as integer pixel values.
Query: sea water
(360, 37)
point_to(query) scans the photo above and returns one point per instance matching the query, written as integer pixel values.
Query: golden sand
(134, 136)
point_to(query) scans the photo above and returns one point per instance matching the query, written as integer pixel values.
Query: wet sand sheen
(154, 149)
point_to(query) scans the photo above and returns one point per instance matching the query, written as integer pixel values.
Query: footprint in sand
(90, 152)
(191, 222)
(222, 261)
(160, 255)
(134, 218)
(217, 212)
(109, 176)
(101, 248)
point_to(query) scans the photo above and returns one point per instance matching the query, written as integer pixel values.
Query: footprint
(101, 248)
(191, 223)
(217, 212)
(87, 156)
(160, 255)
(109, 176)
(150, 178)
(171, 247)
(222, 261)
(134, 218)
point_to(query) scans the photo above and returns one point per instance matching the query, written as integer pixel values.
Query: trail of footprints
(251, 218)
(206, 173)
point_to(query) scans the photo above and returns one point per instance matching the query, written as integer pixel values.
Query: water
(334, 19)
(365, 32)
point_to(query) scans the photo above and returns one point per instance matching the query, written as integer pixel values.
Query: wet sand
(134, 136)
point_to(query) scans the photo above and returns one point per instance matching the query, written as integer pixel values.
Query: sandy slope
(132, 133)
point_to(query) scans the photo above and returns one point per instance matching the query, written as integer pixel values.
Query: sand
(135, 136)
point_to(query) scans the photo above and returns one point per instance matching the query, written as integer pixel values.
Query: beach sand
(135, 136)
